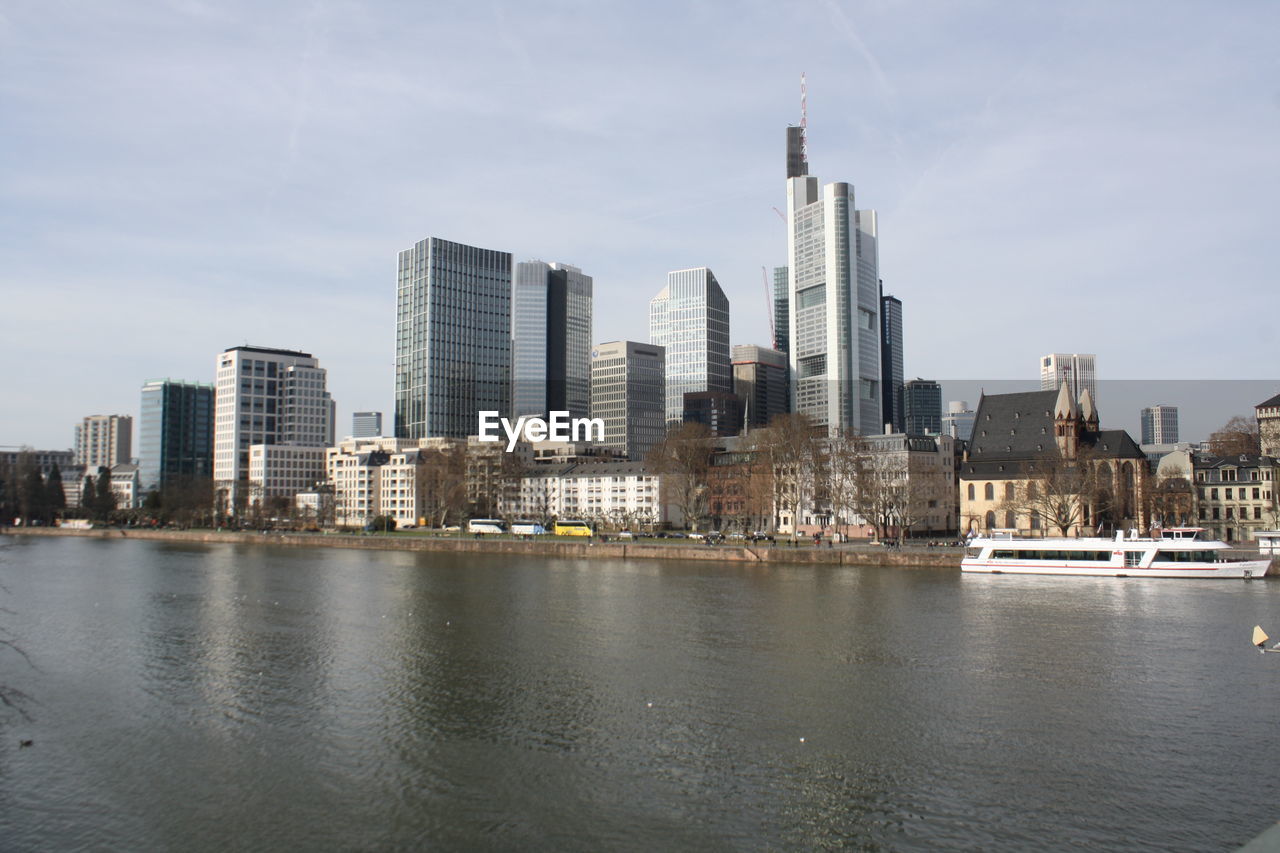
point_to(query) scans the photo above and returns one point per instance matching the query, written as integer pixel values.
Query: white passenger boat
(1178, 553)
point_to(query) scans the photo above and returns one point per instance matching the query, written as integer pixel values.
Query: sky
(178, 177)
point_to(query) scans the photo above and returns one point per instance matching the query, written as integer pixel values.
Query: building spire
(797, 139)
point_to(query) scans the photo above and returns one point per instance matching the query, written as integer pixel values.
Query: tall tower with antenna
(833, 290)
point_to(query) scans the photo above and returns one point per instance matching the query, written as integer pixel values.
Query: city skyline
(1000, 146)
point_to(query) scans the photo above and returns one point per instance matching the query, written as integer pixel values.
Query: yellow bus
(572, 527)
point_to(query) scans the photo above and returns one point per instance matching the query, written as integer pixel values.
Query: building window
(989, 492)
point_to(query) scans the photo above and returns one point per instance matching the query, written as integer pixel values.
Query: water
(237, 697)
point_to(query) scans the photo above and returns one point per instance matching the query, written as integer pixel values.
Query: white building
(689, 318)
(273, 398)
(1160, 424)
(283, 470)
(1078, 370)
(834, 286)
(104, 441)
(617, 494)
(126, 485)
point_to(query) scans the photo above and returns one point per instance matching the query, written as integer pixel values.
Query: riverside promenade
(780, 554)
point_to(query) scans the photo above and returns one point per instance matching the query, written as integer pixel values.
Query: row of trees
(29, 497)
(792, 466)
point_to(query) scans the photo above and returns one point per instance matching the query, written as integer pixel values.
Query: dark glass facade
(175, 433)
(453, 338)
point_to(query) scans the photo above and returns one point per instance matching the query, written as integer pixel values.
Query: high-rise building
(781, 310)
(1160, 424)
(922, 407)
(835, 305)
(103, 441)
(891, 364)
(272, 414)
(1078, 370)
(628, 382)
(690, 319)
(175, 433)
(366, 424)
(453, 338)
(720, 411)
(761, 378)
(958, 421)
(550, 340)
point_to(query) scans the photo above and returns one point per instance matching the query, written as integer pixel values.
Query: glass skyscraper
(891, 364)
(627, 382)
(175, 433)
(453, 338)
(690, 318)
(835, 306)
(550, 340)
(921, 407)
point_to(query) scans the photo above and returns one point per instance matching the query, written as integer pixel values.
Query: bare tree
(793, 444)
(1058, 490)
(1237, 436)
(1171, 501)
(847, 456)
(683, 460)
(441, 480)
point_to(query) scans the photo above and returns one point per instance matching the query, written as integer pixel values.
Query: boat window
(1184, 557)
(1133, 558)
(1002, 555)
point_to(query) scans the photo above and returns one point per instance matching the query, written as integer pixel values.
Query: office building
(781, 310)
(1160, 425)
(834, 294)
(628, 392)
(922, 407)
(103, 441)
(719, 411)
(891, 365)
(550, 340)
(958, 421)
(763, 381)
(175, 433)
(689, 318)
(268, 397)
(43, 461)
(453, 338)
(1075, 369)
(366, 424)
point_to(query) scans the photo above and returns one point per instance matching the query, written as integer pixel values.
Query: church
(1038, 464)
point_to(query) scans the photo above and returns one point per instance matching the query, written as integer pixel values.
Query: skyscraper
(272, 412)
(891, 363)
(835, 306)
(690, 319)
(781, 310)
(628, 382)
(1160, 425)
(453, 338)
(761, 378)
(175, 433)
(366, 424)
(921, 407)
(550, 339)
(958, 421)
(104, 441)
(1078, 370)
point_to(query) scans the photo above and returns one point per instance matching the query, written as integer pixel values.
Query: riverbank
(779, 554)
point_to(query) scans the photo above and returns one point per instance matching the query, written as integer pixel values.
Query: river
(215, 697)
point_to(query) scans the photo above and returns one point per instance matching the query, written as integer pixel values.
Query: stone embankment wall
(779, 554)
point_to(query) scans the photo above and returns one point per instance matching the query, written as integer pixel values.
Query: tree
(441, 480)
(55, 497)
(1059, 491)
(1171, 501)
(793, 443)
(382, 524)
(1237, 436)
(683, 460)
(847, 458)
(104, 497)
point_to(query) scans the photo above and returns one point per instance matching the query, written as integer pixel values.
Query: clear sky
(179, 176)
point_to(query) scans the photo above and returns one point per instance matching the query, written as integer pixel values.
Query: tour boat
(1177, 553)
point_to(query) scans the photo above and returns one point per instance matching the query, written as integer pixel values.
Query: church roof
(1013, 426)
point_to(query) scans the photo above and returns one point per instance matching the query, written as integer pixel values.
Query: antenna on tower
(804, 119)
